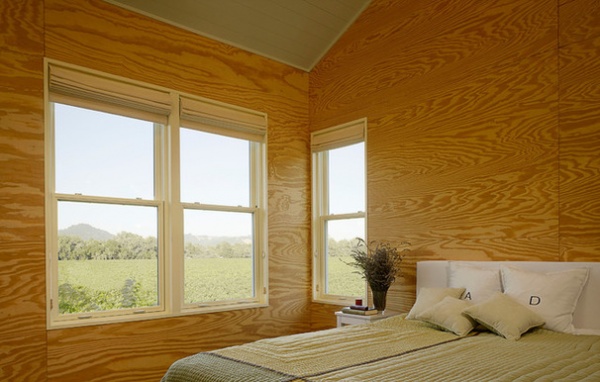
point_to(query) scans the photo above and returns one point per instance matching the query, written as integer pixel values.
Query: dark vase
(379, 299)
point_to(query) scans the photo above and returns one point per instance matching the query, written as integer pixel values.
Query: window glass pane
(107, 257)
(341, 278)
(103, 154)
(214, 169)
(218, 256)
(347, 179)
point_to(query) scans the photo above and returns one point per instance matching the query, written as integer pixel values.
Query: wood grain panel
(141, 351)
(390, 62)
(579, 20)
(289, 221)
(579, 120)
(22, 260)
(465, 162)
(323, 316)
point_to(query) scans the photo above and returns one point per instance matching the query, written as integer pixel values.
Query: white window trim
(170, 230)
(321, 141)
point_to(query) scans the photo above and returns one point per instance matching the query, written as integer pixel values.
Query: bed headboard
(587, 314)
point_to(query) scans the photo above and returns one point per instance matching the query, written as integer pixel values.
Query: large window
(155, 201)
(338, 210)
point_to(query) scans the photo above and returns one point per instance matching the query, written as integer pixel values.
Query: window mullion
(105, 200)
(215, 207)
(324, 210)
(258, 200)
(174, 263)
(161, 172)
(51, 213)
(351, 215)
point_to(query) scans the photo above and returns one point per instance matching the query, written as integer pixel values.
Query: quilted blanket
(396, 349)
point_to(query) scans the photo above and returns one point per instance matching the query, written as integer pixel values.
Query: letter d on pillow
(552, 295)
(534, 300)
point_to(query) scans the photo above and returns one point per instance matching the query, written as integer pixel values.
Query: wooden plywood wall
(483, 137)
(579, 128)
(104, 37)
(22, 260)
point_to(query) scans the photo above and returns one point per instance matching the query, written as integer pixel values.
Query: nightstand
(344, 319)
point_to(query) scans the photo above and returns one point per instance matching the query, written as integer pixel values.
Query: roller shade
(223, 119)
(339, 136)
(78, 88)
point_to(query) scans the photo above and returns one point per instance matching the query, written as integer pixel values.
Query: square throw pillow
(428, 297)
(447, 314)
(504, 316)
(480, 284)
(552, 295)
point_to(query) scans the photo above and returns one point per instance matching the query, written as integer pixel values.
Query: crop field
(342, 278)
(132, 283)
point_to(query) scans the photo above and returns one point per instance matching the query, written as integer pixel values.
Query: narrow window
(338, 210)
(218, 217)
(107, 213)
(222, 195)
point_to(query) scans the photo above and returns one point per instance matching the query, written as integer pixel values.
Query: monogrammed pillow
(552, 295)
(479, 283)
(504, 316)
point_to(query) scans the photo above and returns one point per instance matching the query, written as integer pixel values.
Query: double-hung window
(338, 210)
(221, 151)
(155, 201)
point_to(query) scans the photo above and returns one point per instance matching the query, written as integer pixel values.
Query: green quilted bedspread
(396, 349)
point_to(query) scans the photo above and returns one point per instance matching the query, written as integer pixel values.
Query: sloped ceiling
(295, 32)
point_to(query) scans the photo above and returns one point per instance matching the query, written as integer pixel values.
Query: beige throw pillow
(428, 297)
(504, 316)
(447, 314)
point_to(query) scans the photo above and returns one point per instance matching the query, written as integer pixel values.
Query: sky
(84, 137)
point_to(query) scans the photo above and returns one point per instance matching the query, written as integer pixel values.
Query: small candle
(358, 301)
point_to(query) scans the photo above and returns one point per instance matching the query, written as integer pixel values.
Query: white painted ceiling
(296, 32)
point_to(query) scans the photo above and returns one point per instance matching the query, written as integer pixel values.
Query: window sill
(74, 323)
(341, 301)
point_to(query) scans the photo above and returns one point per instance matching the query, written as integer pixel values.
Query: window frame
(166, 199)
(257, 198)
(321, 142)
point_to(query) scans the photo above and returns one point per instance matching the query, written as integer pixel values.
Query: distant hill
(86, 232)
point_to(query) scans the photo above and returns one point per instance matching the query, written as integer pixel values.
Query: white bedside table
(344, 319)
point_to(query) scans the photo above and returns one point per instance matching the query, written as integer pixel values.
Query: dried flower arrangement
(379, 264)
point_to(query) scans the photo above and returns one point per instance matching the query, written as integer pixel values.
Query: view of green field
(343, 279)
(93, 285)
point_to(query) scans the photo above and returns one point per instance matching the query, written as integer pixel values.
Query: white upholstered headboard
(587, 314)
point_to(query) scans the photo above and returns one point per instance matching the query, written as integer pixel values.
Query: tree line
(341, 247)
(129, 246)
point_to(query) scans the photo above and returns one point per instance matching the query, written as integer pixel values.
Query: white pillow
(504, 316)
(447, 314)
(552, 295)
(428, 297)
(480, 284)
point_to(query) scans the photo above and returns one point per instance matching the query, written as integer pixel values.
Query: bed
(472, 321)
